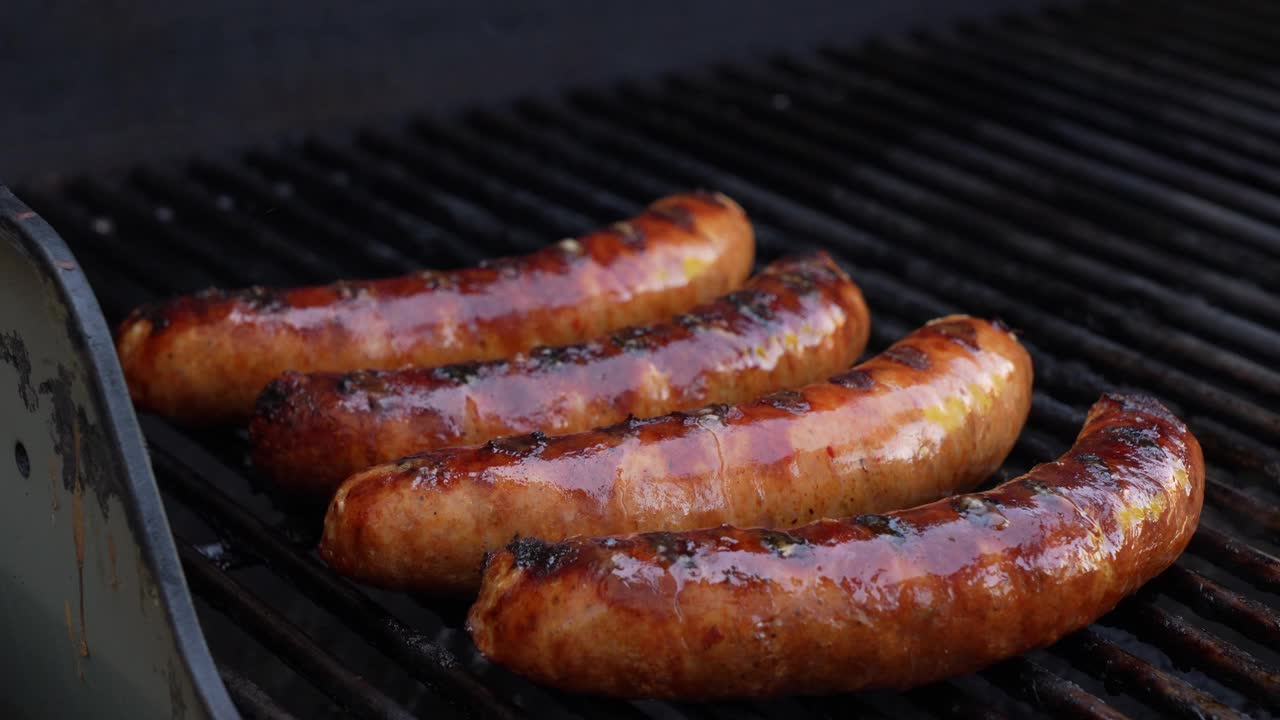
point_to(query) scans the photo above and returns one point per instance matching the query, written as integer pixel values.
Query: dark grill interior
(1104, 178)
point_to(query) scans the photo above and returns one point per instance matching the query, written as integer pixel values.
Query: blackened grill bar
(1063, 171)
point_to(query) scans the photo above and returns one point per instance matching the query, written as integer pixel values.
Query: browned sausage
(936, 412)
(885, 601)
(203, 359)
(799, 321)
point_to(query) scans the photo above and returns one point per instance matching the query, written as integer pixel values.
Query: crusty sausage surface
(935, 413)
(203, 359)
(800, 320)
(884, 601)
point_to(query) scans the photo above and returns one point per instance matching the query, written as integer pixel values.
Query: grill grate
(1103, 177)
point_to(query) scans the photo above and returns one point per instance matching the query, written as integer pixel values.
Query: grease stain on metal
(80, 445)
(13, 352)
(54, 498)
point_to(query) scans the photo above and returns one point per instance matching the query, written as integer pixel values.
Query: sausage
(936, 412)
(872, 601)
(799, 321)
(203, 359)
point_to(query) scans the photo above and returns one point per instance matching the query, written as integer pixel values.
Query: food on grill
(884, 601)
(203, 359)
(936, 412)
(799, 321)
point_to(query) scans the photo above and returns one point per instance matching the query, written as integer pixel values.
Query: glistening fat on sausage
(800, 320)
(935, 413)
(203, 359)
(885, 601)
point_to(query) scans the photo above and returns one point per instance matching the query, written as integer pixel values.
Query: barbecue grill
(1104, 178)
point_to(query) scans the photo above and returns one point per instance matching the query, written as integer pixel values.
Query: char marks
(783, 544)
(755, 304)
(540, 558)
(633, 339)
(630, 235)
(712, 197)
(885, 525)
(789, 400)
(957, 331)
(912, 357)
(158, 314)
(678, 215)
(519, 446)
(801, 283)
(854, 380)
(274, 397)
(461, 373)
(261, 299)
(982, 509)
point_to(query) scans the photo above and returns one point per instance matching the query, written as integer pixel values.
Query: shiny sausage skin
(935, 413)
(203, 359)
(874, 601)
(799, 321)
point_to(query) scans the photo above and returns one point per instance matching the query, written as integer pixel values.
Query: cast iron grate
(1103, 177)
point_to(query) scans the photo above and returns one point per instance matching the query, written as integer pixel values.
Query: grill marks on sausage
(507, 268)
(982, 510)
(710, 196)
(673, 549)
(883, 525)
(519, 446)
(788, 400)
(678, 215)
(157, 314)
(755, 304)
(801, 283)
(630, 235)
(961, 333)
(274, 396)
(540, 558)
(854, 380)
(718, 414)
(912, 357)
(632, 339)
(1134, 437)
(783, 544)
(261, 299)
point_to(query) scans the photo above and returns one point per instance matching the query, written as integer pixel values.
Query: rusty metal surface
(94, 609)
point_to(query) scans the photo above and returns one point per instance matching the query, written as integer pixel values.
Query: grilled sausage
(203, 359)
(799, 321)
(936, 412)
(886, 601)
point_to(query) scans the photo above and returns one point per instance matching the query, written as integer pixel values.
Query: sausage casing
(885, 601)
(935, 413)
(800, 320)
(203, 359)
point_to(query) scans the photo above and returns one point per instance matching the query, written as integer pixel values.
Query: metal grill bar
(1193, 646)
(329, 675)
(1250, 563)
(290, 262)
(293, 217)
(1163, 340)
(1120, 669)
(252, 701)
(1040, 687)
(1249, 617)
